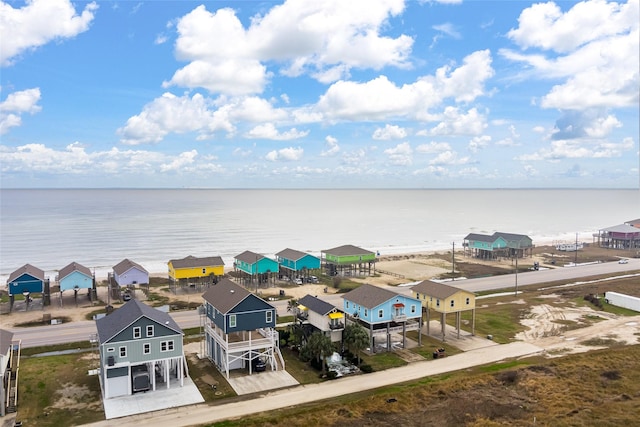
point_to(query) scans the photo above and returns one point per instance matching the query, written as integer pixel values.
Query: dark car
(258, 365)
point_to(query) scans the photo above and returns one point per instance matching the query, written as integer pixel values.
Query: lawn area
(57, 390)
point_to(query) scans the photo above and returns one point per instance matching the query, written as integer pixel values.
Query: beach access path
(288, 397)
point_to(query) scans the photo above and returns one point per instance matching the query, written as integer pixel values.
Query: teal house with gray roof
(497, 245)
(296, 263)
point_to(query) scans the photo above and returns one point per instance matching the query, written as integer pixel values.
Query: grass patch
(61, 319)
(68, 396)
(382, 361)
(429, 344)
(30, 351)
(600, 342)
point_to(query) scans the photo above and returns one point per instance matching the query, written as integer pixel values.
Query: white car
(298, 281)
(623, 261)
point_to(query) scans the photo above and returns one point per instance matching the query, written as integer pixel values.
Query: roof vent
(232, 290)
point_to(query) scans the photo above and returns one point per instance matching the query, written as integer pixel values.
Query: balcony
(303, 316)
(336, 326)
(399, 317)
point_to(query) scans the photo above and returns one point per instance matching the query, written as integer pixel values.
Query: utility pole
(453, 259)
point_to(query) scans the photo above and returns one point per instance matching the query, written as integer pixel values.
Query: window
(149, 330)
(437, 303)
(269, 316)
(381, 313)
(467, 300)
(452, 303)
(166, 346)
(146, 348)
(417, 295)
(137, 332)
(413, 308)
(366, 312)
(204, 271)
(123, 351)
(232, 321)
(346, 304)
(111, 350)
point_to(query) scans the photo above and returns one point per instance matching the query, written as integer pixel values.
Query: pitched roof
(479, 237)
(316, 305)
(5, 341)
(26, 269)
(622, 228)
(111, 325)
(510, 236)
(225, 295)
(369, 296)
(634, 222)
(249, 257)
(74, 266)
(435, 289)
(292, 254)
(191, 262)
(126, 265)
(347, 250)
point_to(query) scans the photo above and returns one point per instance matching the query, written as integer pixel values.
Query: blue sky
(319, 94)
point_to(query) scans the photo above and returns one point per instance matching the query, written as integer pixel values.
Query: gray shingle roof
(249, 257)
(225, 295)
(369, 296)
(126, 265)
(316, 305)
(111, 325)
(291, 254)
(347, 250)
(479, 237)
(622, 228)
(26, 269)
(435, 289)
(191, 262)
(5, 341)
(74, 266)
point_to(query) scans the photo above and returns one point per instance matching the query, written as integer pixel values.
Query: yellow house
(445, 299)
(195, 268)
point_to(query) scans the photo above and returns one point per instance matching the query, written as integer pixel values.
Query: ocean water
(99, 228)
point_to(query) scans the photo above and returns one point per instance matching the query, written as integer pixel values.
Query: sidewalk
(203, 414)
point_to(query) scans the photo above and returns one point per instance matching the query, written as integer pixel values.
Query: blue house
(127, 272)
(296, 263)
(383, 312)
(26, 279)
(256, 266)
(239, 327)
(75, 276)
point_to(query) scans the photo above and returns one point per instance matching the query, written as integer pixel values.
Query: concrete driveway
(243, 383)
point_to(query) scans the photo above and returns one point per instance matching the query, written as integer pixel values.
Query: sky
(319, 94)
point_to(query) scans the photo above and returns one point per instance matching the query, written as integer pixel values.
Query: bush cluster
(593, 300)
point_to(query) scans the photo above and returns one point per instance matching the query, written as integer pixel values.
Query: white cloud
(478, 143)
(332, 147)
(433, 147)
(269, 131)
(324, 39)
(380, 99)
(593, 123)
(579, 149)
(449, 158)
(400, 155)
(180, 163)
(539, 129)
(449, 29)
(389, 132)
(16, 104)
(456, 123)
(285, 154)
(594, 46)
(38, 23)
(171, 113)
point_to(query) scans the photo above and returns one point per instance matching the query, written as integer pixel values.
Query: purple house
(127, 272)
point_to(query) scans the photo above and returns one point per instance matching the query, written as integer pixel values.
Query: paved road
(204, 414)
(81, 331)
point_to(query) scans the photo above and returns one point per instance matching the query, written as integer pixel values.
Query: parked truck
(140, 380)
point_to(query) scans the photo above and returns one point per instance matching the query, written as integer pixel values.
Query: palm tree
(320, 346)
(356, 338)
(291, 305)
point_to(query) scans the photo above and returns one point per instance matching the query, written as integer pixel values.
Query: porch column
(458, 323)
(166, 374)
(473, 321)
(443, 322)
(153, 376)
(404, 335)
